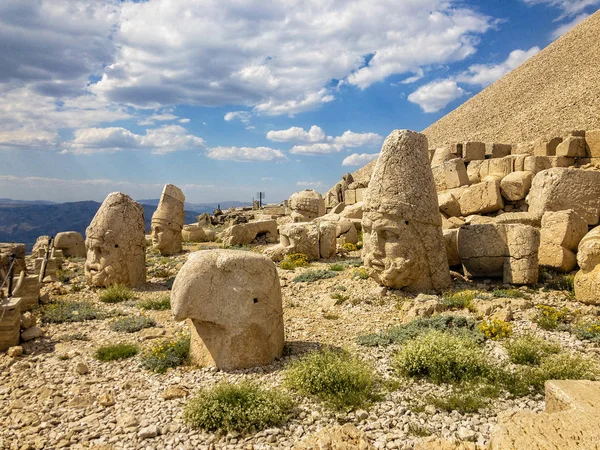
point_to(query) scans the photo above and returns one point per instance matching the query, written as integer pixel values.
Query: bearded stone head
(167, 221)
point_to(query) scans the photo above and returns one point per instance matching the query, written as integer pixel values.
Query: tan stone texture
(116, 243)
(10, 323)
(193, 233)
(450, 175)
(587, 280)
(495, 150)
(308, 205)
(572, 146)
(233, 299)
(168, 220)
(481, 198)
(402, 227)
(516, 185)
(560, 189)
(338, 437)
(592, 139)
(448, 204)
(473, 151)
(545, 147)
(246, 233)
(71, 243)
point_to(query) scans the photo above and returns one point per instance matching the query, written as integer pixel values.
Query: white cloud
(310, 184)
(297, 134)
(323, 148)
(186, 120)
(39, 140)
(163, 117)
(486, 74)
(568, 7)
(564, 28)
(352, 140)
(242, 116)
(436, 95)
(356, 159)
(166, 139)
(277, 58)
(245, 154)
(266, 178)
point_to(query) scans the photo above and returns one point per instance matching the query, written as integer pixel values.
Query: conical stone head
(116, 244)
(402, 228)
(168, 220)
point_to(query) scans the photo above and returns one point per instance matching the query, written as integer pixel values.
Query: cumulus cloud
(162, 117)
(436, 95)
(166, 139)
(245, 154)
(297, 134)
(242, 116)
(564, 28)
(568, 7)
(277, 58)
(356, 159)
(352, 140)
(310, 184)
(485, 74)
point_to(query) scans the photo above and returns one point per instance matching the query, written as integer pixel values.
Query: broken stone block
(542, 147)
(448, 204)
(71, 243)
(441, 155)
(481, 198)
(451, 174)
(451, 241)
(494, 150)
(592, 139)
(474, 171)
(523, 148)
(247, 233)
(524, 218)
(564, 228)
(10, 323)
(516, 185)
(473, 151)
(28, 289)
(535, 164)
(561, 161)
(572, 146)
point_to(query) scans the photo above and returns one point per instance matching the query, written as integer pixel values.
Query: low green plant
(241, 408)
(339, 298)
(294, 260)
(67, 311)
(330, 316)
(167, 353)
(399, 334)
(350, 247)
(74, 337)
(416, 429)
(314, 275)
(337, 378)
(563, 366)
(361, 274)
(156, 304)
(509, 293)
(116, 352)
(562, 282)
(550, 318)
(353, 262)
(588, 330)
(116, 293)
(286, 265)
(495, 329)
(466, 399)
(529, 349)
(442, 357)
(63, 276)
(132, 324)
(459, 300)
(337, 267)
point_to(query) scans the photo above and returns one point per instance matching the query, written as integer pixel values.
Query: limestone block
(193, 233)
(572, 146)
(542, 147)
(353, 211)
(10, 323)
(500, 167)
(561, 188)
(448, 204)
(360, 194)
(350, 197)
(587, 280)
(563, 228)
(6, 250)
(451, 240)
(71, 243)
(327, 238)
(498, 150)
(28, 289)
(474, 170)
(493, 250)
(451, 174)
(592, 139)
(569, 421)
(167, 221)
(516, 185)
(481, 198)
(246, 233)
(535, 164)
(561, 161)
(523, 218)
(300, 238)
(472, 151)
(556, 257)
(523, 148)
(336, 437)
(441, 155)
(233, 299)
(518, 162)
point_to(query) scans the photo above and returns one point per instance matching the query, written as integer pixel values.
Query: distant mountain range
(199, 207)
(23, 221)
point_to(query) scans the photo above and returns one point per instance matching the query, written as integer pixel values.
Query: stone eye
(255, 300)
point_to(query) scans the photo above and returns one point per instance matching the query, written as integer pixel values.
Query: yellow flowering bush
(294, 260)
(495, 329)
(588, 330)
(549, 318)
(167, 353)
(350, 247)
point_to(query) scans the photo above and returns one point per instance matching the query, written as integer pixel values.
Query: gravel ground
(58, 396)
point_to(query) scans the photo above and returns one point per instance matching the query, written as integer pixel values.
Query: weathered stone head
(306, 205)
(402, 229)
(587, 280)
(115, 243)
(233, 299)
(167, 221)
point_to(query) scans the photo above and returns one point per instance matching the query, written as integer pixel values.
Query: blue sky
(225, 98)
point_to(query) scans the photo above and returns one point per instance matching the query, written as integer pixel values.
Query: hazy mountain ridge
(200, 207)
(23, 222)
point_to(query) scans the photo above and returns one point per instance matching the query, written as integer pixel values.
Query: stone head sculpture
(587, 279)
(233, 299)
(402, 228)
(115, 243)
(167, 221)
(306, 205)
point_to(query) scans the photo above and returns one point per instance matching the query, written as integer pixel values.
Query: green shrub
(350, 247)
(459, 300)
(287, 265)
(167, 353)
(353, 262)
(132, 324)
(587, 330)
(73, 337)
(339, 298)
(241, 408)
(529, 350)
(337, 267)
(314, 275)
(416, 429)
(115, 352)
(442, 357)
(467, 399)
(562, 282)
(335, 377)
(65, 311)
(563, 366)
(550, 318)
(156, 304)
(116, 293)
(360, 274)
(401, 333)
(509, 293)
(293, 260)
(495, 329)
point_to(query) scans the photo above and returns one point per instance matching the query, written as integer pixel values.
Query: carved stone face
(393, 253)
(165, 238)
(105, 264)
